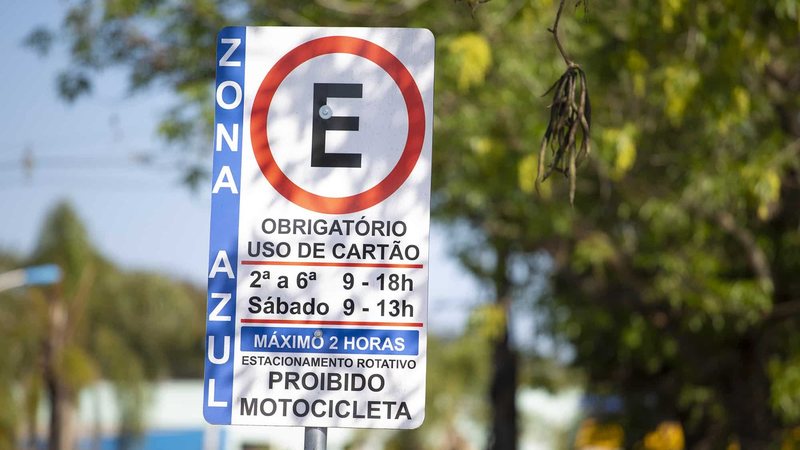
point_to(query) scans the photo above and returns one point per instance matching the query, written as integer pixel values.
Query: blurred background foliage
(672, 281)
(99, 322)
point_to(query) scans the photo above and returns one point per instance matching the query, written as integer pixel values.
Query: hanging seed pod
(567, 137)
(567, 133)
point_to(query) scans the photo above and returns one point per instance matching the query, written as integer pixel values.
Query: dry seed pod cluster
(570, 123)
(570, 113)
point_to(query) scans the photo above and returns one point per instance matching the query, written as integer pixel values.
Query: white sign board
(318, 263)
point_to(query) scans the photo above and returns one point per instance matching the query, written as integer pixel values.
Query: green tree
(680, 278)
(97, 323)
(672, 277)
(17, 361)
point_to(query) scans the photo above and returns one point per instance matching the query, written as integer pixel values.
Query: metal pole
(316, 439)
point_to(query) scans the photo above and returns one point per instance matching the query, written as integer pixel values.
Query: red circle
(259, 134)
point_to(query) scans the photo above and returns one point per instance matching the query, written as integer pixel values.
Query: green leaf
(473, 57)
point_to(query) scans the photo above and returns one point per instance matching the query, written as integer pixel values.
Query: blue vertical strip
(226, 176)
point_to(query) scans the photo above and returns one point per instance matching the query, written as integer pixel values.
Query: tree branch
(755, 255)
(554, 30)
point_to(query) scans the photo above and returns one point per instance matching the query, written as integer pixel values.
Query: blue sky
(139, 216)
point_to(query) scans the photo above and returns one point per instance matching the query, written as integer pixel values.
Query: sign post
(315, 438)
(318, 260)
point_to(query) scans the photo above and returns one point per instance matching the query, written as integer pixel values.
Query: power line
(97, 185)
(28, 162)
(136, 170)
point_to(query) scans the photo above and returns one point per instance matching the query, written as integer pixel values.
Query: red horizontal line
(250, 262)
(333, 322)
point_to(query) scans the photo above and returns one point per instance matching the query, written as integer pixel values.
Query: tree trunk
(744, 392)
(503, 394)
(62, 417)
(503, 387)
(751, 415)
(61, 397)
